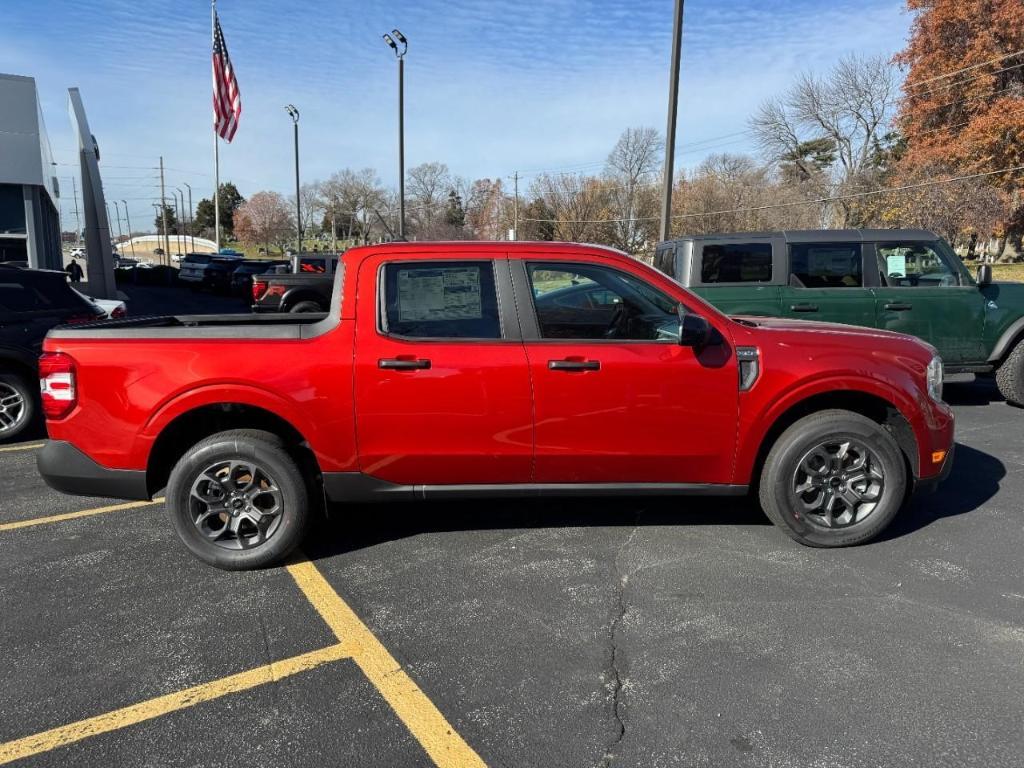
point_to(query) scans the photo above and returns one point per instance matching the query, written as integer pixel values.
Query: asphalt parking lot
(627, 633)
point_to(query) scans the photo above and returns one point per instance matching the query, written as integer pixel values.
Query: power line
(965, 69)
(771, 206)
(959, 83)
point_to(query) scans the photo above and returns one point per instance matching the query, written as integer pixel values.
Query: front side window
(914, 265)
(447, 299)
(736, 263)
(586, 302)
(665, 260)
(826, 265)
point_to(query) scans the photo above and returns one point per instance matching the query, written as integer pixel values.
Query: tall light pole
(294, 113)
(128, 221)
(184, 217)
(670, 130)
(120, 233)
(177, 227)
(191, 220)
(400, 49)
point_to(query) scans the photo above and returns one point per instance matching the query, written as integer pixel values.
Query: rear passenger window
(449, 299)
(737, 263)
(15, 297)
(826, 265)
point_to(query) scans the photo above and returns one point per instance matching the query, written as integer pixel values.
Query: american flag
(227, 103)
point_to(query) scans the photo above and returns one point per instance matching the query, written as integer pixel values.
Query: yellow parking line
(80, 513)
(162, 705)
(426, 723)
(28, 447)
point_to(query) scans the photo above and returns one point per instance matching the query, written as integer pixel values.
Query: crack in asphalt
(621, 580)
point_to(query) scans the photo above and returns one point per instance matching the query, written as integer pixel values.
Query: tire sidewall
(294, 496)
(28, 394)
(804, 436)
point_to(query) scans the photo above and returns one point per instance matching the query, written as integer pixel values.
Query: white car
(78, 253)
(113, 308)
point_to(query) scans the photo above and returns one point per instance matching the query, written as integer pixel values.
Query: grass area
(1012, 272)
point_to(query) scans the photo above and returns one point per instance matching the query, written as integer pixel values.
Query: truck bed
(262, 326)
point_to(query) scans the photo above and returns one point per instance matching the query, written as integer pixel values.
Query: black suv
(32, 301)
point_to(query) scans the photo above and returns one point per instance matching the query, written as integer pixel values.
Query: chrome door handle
(398, 364)
(574, 365)
(898, 307)
(803, 307)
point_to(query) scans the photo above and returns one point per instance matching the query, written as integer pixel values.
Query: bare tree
(349, 199)
(832, 129)
(265, 218)
(312, 206)
(632, 188)
(579, 206)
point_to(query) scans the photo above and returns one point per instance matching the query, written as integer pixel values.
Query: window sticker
(439, 294)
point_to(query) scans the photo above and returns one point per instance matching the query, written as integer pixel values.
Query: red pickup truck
(476, 370)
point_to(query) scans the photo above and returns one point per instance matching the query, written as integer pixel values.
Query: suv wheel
(306, 306)
(17, 405)
(833, 479)
(237, 500)
(1010, 376)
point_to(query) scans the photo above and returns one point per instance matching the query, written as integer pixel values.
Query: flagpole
(216, 145)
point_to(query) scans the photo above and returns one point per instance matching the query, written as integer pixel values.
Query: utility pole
(78, 220)
(178, 217)
(515, 207)
(120, 232)
(128, 221)
(670, 130)
(163, 213)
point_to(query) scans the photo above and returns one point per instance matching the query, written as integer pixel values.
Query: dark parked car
(207, 270)
(32, 301)
(292, 293)
(241, 278)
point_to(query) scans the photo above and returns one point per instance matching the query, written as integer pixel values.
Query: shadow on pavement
(982, 391)
(973, 481)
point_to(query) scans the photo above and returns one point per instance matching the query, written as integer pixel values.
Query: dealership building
(29, 194)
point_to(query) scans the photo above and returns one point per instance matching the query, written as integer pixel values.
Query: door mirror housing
(984, 275)
(694, 330)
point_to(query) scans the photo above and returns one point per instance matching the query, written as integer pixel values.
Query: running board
(357, 487)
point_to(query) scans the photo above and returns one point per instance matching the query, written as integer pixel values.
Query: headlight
(935, 378)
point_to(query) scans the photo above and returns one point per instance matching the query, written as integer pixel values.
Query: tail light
(118, 313)
(259, 287)
(80, 318)
(57, 384)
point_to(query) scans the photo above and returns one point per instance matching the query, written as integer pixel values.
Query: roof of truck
(821, 235)
(478, 246)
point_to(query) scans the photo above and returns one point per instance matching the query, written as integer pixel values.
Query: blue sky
(492, 86)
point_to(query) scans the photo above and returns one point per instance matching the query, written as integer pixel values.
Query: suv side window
(736, 263)
(913, 265)
(440, 300)
(588, 302)
(665, 259)
(826, 265)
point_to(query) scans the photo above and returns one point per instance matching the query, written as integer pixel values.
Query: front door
(827, 283)
(617, 399)
(925, 295)
(442, 389)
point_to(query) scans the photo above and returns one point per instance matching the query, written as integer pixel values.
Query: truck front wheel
(238, 501)
(1010, 376)
(833, 479)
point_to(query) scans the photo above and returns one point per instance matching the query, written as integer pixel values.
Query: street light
(177, 226)
(191, 219)
(120, 234)
(128, 221)
(400, 49)
(294, 113)
(184, 217)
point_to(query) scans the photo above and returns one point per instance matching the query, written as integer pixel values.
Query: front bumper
(930, 484)
(68, 470)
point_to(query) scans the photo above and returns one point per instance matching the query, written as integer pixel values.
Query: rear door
(617, 399)
(442, 389)
(828, 282)
(924, 294)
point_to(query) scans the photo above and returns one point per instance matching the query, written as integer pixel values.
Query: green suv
(904, 280)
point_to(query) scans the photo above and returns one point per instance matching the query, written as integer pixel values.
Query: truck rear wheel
(238, 501)
(306, 305)
(833, 479)
(1010, 376)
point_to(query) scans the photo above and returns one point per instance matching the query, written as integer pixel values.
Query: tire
(1010, 376)
(809, 455)
(306, 305)
(271, 513)
(18, 407)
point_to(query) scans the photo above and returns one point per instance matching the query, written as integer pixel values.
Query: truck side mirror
(694, 330)
(984, 275)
